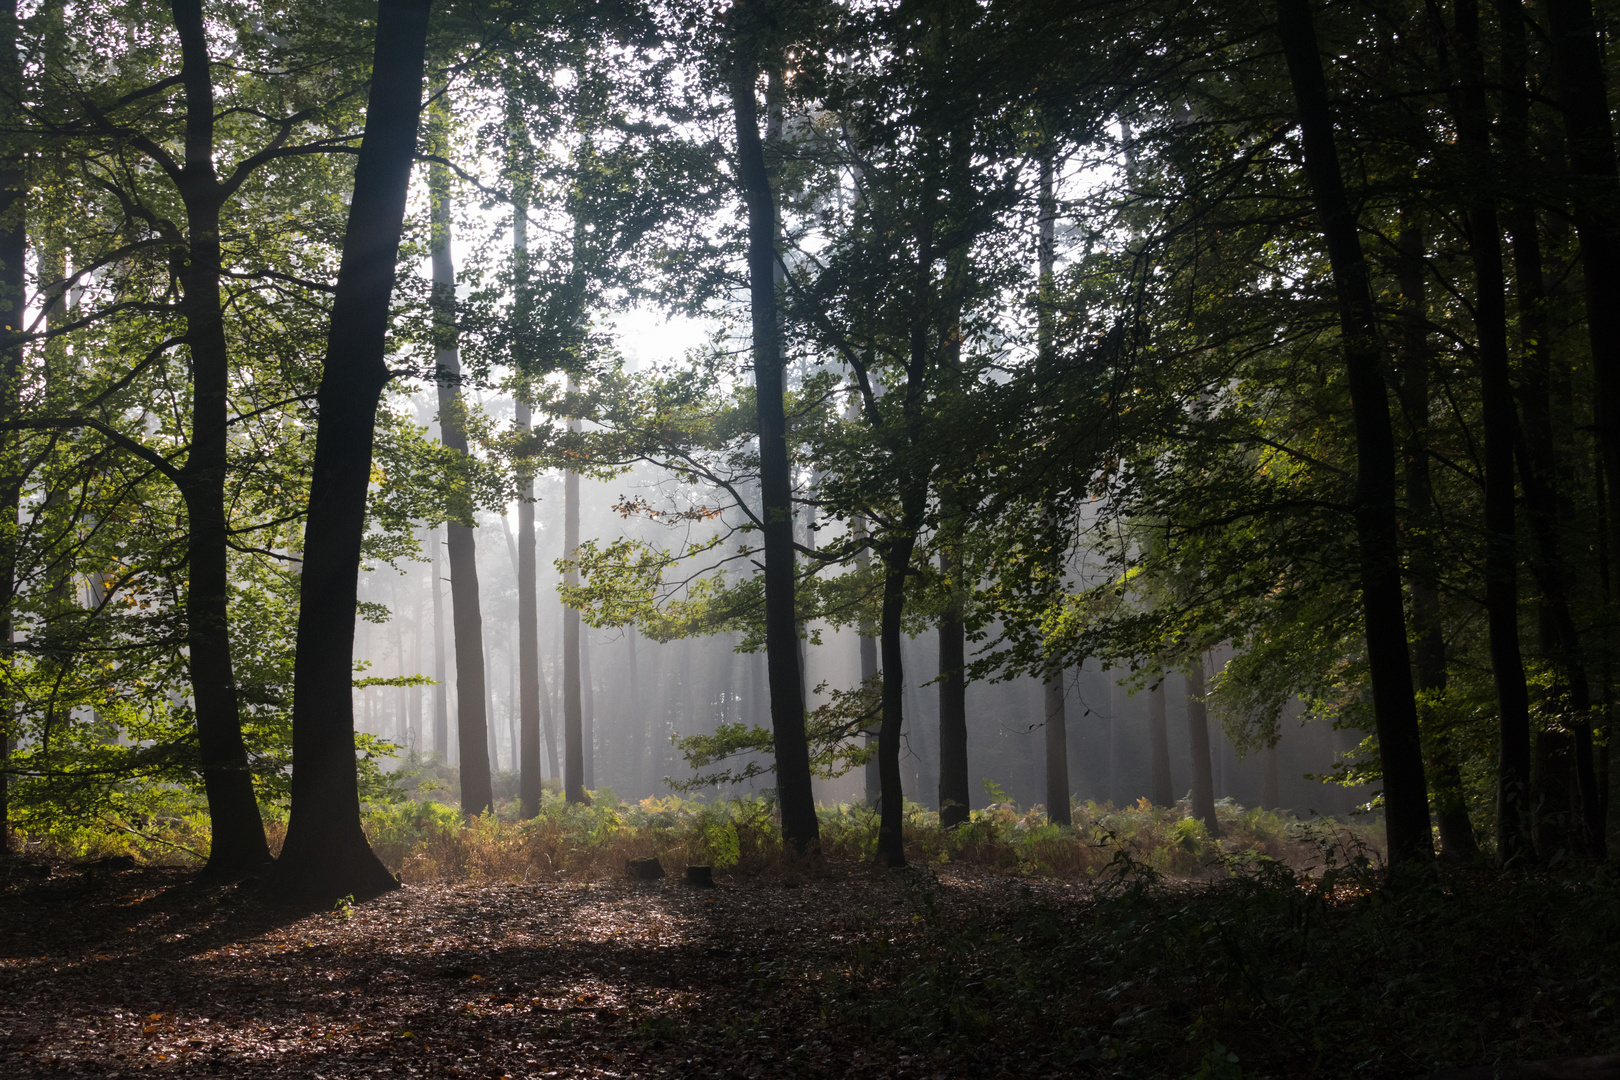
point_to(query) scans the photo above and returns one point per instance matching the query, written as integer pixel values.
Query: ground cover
(829, 969)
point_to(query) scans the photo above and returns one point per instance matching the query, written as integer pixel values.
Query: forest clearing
(824, 969)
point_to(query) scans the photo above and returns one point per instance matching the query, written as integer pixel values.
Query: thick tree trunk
(1500, 423)
(1056, 730)
(795, 797)
(14, 306)
(441, 674)
(326, 855)
(237, 832)
(472, 695)
(573, 721)
(954, 797)
(1203, 776)
(1394, 709)
(1164, 791)
(1116, 741)
(1429, 650)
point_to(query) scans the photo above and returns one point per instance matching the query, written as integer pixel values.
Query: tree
(1405, 790)
(472, 697)
(325, 854)
(749, 23)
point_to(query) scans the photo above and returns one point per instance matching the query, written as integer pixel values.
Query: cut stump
(646, 868)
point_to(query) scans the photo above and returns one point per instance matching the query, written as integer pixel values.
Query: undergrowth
(426, 840)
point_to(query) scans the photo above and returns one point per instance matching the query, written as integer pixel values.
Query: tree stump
(701, 876)
(646, 868)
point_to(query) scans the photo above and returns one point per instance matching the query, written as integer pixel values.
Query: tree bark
(1203, 776)
(529, 784)
(954, 797)
(1429, 652)
(472, 693)
(867, 647)
(441, 674)
(1500, 423)
(326, 855)
(1394, 708)
(794, 795)
(14, 306)
(573, 723)
(1164, 791)
(891, 814)
(1539, 460)
(587, 711)
(1594, 175)
(1056, 731)
(237, 832)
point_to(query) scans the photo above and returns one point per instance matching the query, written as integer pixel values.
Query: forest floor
(835, 972)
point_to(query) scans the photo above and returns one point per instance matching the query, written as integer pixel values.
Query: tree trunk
(954, 797)
(325, 855)
(1164, 791)
(472, 694)
(1116, 743)
(237, 832)
(1539, 464)
(587, 711)
(795, 797)
(1579, 80)
(1269, 785)
(1394, 709)
(1203, 777)
(1429, 652)
(573, 723)
(441, 674)
(891, 815)
(1500, 422)
(14, 305)
(868, 648)
(1056, 729)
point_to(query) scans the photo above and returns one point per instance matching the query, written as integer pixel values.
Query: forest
(763, 538)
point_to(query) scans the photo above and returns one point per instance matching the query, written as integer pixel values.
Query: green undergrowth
(428, 840)
(1266, 972)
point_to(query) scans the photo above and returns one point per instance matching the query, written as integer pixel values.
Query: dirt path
(149, 971)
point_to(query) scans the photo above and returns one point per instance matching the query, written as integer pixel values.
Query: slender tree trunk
(573, 717)
(795, 797)
(441, 675)
(1394, 708)
(954, 797)
(1054, 720)
(1056, 730)
(1269, 780)
(891, 815)
(1203, 777)
(1164, 792)
(237, 832)
(1513, 810)
(1539, 464)
(1429, 643)
(528, 642)
(1116, 743)
(14, 305)
(472, 692)
(326, 855)
(1580, 81)
(638, 725)
(868, 648)
(587, 713)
